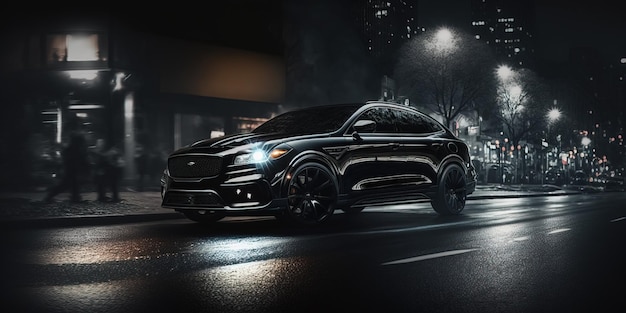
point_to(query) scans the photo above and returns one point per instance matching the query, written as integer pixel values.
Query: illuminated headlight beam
(259, 156)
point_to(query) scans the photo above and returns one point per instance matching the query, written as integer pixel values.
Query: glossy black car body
(306, 163)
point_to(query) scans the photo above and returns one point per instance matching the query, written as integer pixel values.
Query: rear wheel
(311, 194)
(452, 192)
(203, 216)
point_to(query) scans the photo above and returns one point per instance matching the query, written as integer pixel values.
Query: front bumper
(220, 197)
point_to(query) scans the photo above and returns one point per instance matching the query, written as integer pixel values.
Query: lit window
(82, 47)
(74, 48)
(380, 13)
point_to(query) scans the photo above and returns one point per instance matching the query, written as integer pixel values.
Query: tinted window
(309, 121)
(400, 121)
(384, 118)
(415, 123)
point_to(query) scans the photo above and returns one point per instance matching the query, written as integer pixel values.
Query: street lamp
(553, 115)
(444, 41)
(504, 72)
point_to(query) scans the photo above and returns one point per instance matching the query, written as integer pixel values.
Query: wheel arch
(310, 157)
(447, 161)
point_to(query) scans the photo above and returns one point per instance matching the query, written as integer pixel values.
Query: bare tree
(448, 72)
(522, 102)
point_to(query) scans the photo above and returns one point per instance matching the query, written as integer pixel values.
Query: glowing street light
(504, 72)
(444, 35)
(554, 115)
(443, 41)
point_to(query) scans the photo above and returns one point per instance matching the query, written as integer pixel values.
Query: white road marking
(560, 230)
(429, 256)
(521, 238)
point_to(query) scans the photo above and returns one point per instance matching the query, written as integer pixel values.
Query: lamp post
(553, 116)
(443, 46)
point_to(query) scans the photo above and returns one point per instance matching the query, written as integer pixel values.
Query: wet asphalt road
(547, 254)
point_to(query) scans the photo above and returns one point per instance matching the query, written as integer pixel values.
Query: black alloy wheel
(311, 194)
(452, 192)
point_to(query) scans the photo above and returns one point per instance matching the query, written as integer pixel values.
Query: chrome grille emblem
(191, 163)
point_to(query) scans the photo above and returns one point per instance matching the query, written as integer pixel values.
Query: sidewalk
(29, 207)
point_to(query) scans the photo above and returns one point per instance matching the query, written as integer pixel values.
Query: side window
(415, 123)
(384, 118)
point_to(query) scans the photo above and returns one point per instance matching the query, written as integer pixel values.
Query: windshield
(312, 120)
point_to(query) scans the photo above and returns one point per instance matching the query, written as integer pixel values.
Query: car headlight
(259, 156)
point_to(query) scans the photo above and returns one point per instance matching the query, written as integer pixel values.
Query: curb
(87, 220)
(112, 219)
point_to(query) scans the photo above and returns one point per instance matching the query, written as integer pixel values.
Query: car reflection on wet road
(522, 254)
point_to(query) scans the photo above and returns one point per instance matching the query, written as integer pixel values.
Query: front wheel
(452, 192)
(311, 194)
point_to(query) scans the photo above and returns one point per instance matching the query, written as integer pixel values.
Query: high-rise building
(508, 27)
(386, 25)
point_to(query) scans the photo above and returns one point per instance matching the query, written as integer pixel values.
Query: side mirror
(363, 126)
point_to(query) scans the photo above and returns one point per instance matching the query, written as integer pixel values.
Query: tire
(451, 192)
(311, 194)
(202, 216)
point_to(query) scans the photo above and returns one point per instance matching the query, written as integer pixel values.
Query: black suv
(304, 164)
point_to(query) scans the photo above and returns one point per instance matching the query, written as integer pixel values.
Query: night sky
(256, 24)
(559, 24)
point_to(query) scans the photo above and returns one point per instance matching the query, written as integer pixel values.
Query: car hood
(235, 143)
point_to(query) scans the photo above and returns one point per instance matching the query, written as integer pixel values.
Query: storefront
(149, 98)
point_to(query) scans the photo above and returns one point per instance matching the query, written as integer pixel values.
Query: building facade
(141, 92)
(386, 25)
(508, 27)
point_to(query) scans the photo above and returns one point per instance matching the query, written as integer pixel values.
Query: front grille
(194, 165)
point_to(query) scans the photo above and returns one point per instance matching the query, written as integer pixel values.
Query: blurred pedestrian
(108, 167)
(75, 167)
(142, 161)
